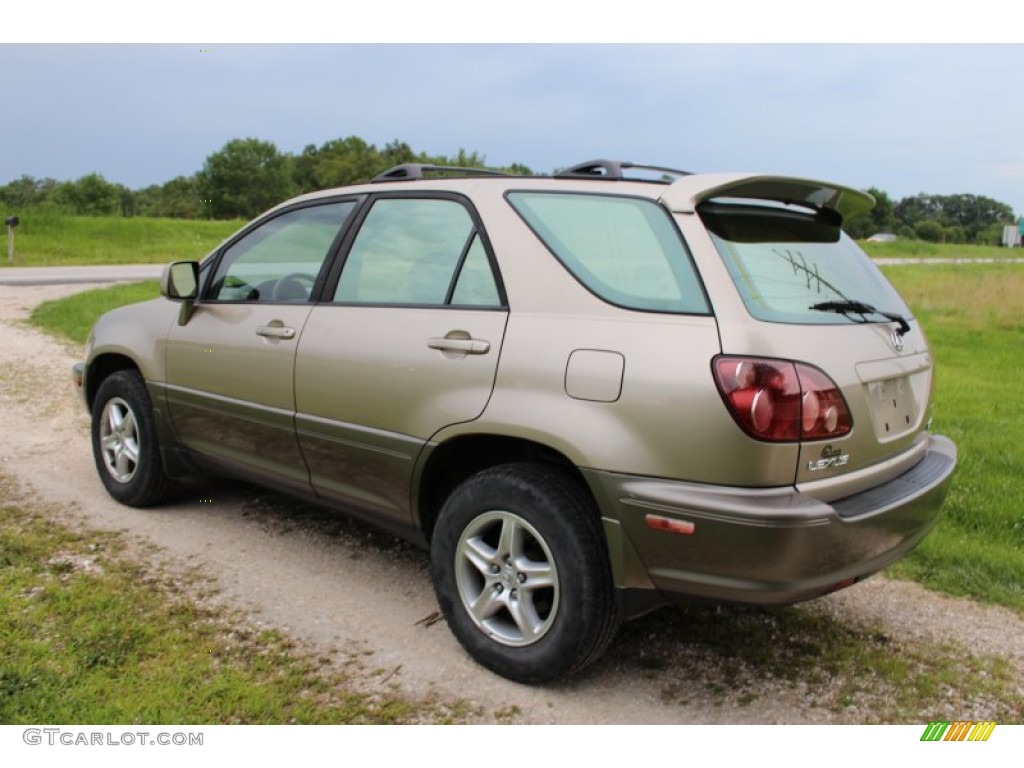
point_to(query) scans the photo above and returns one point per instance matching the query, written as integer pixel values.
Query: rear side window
(784, 262)
(626, 250)
(419, 252)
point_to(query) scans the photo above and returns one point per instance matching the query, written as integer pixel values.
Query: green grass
(48, 239)
(89, 635)
(72, 318)
(974, 318)
(919, 249)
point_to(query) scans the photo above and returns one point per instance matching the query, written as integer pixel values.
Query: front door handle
(463, 346)
(276, 332)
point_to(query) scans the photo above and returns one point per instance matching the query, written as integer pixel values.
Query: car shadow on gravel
(279, 515)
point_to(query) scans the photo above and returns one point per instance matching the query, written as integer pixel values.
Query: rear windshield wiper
(862, 309)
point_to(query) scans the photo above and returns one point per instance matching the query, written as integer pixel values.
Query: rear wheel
(521, 572)
(124, 442)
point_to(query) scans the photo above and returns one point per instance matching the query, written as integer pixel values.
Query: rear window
(625, 250)
(784, 262)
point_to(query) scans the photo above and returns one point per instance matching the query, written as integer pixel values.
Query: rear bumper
(764, 546)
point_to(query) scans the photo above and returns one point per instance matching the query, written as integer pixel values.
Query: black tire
(124, 442)
(498, 531)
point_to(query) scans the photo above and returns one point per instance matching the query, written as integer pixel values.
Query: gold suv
(588, 394)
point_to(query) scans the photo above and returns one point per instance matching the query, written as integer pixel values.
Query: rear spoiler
(686, 194)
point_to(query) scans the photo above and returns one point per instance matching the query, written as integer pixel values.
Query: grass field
(72, 318)
(974, 318)
(89, 635)
(919, 249)
(46, 239)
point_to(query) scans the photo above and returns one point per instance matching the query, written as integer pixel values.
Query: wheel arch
(453, 461)
(100, 368)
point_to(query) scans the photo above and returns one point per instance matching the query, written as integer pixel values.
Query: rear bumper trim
(933, 468)
(769, 546)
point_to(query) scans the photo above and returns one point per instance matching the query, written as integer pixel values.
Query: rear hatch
(811, 295)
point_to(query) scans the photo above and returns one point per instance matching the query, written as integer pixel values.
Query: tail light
(782, 401)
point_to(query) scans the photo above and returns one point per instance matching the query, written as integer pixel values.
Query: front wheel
(521, 571)
(124, 441)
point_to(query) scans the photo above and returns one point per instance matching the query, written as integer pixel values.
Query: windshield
(788, 264)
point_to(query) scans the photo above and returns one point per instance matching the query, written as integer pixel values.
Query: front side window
(279, 260)
(624, 249)
(424, 252)
(791, 266)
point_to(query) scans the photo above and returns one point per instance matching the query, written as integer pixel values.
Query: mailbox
(12, 221)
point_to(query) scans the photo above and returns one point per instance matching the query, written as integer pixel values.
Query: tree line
(240, 180)
(935, 218)
(247, 176)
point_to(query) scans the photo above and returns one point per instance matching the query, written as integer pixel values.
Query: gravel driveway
(345, 590)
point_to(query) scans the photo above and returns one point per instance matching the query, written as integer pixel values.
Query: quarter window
(624, 249)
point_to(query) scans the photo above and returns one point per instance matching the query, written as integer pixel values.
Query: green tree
(913, 210)
(26, 192)
(974, 214)
(930, 231)
(954, 234)
(351, 160)
(968, 217)
(245, 177)
(304, 169)
(90, 195)
(178, 198)
(397, 153)
(346, 161)
(881, 218)
(462, 159)
(519, 169)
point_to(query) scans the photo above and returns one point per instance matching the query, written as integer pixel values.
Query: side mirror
(180, 281)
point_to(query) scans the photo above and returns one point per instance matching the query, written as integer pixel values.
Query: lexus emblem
(897, 340)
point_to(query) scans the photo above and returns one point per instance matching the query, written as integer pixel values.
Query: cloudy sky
(906, 118)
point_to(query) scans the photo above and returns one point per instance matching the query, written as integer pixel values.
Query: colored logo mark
(959, 730)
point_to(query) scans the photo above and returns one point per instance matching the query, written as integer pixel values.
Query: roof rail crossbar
(613, 170)
(420, 170)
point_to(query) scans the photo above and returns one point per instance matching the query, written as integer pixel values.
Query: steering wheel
(293, 287)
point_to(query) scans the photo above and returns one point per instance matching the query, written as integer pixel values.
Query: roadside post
(11, 222)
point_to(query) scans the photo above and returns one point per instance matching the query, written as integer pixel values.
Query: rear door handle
(276, 332)
(465, 346)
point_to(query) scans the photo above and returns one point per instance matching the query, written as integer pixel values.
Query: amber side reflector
(841, 585)
(670, 525)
